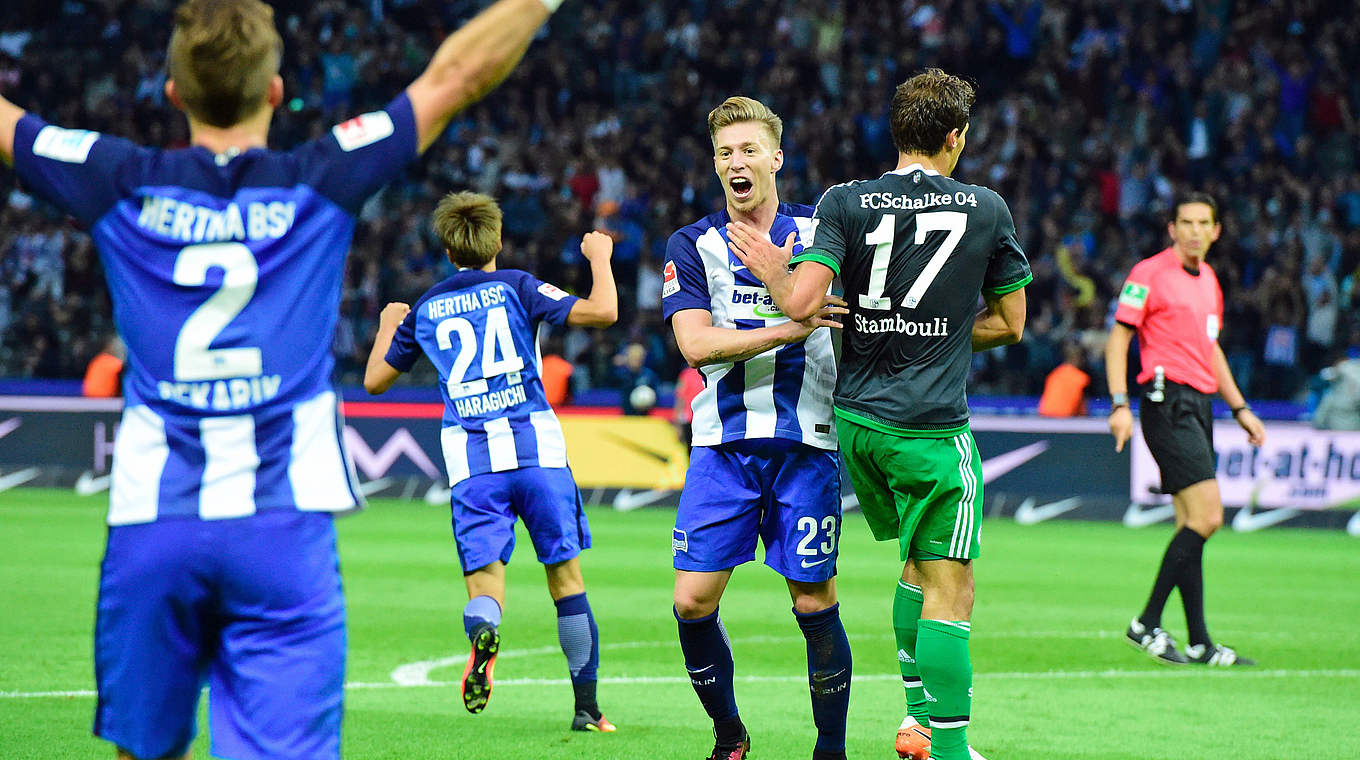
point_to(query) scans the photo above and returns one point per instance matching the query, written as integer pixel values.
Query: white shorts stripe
(947, 723)
(500, 443)
(552, 445)
(230, 461)
(454, 442)
(139, 455)
(320, 472)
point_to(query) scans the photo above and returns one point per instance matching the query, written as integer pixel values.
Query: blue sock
(579, 637)
(708, 658)
(828, 654)
(481, 609)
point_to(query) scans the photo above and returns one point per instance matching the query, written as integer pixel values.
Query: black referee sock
(1192, 590)
(1185, 546)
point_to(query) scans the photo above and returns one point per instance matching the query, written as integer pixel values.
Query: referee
(1173, 302)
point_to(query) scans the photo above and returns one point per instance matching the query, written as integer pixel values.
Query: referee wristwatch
(1243, 408)
(1117, 400)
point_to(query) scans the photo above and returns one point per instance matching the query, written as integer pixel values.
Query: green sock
(906, 612)
(942, 657)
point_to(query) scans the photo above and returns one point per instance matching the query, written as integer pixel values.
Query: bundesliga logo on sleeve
(1134, 295)
(670, 282)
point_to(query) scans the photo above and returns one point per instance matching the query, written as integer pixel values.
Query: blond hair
(738, 109)
(223, 55)
(469, 227)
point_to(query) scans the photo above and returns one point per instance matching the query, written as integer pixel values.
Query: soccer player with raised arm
(1173, 303)
(763, 464)
(914, 250)
(503, 446)
(224, 263)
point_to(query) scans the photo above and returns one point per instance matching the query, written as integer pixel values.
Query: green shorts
(924, 492)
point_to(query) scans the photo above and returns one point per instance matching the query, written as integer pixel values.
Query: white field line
(1061, 675)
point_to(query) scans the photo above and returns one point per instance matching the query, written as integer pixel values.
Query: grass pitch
(1054, 679)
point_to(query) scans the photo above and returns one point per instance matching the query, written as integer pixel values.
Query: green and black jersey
(914, 249)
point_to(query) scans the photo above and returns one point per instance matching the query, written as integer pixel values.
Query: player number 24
(499, 341)
(881, 238)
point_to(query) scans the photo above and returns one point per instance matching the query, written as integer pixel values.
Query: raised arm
(472, 61)
(1001, 321)
(9, 122)
(379, 375)
(601, 307)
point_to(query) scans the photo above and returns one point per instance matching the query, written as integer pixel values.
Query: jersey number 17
(882, 239)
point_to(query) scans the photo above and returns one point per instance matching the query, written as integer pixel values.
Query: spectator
(556, 373)
(630, 373)
(1065, 387)
(103, 376)
(1340, 405)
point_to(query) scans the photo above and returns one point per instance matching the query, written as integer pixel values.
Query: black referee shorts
(1179, 431)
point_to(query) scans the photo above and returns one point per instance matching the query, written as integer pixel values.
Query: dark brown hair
(926, 108)
(1194, 197)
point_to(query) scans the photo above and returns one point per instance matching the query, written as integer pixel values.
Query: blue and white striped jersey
(225, 274)
(782, 393)
(480, 331)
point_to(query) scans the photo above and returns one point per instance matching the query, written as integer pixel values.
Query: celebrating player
(763, 462)
(914, 249)
(503, 446)
(1173, 302)
(224, 263)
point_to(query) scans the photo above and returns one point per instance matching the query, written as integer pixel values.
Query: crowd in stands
(1091, 115)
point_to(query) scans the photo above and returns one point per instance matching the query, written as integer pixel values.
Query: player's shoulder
(796, 209)
(687, 237)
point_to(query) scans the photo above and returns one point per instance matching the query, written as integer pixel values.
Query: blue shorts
(546, 498)
(786, 493)
(251, 606)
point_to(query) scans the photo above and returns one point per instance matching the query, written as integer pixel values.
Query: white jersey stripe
(230, 460)
(320, 475)
(552, 445)
(500, 444)
(139, 455)
(758, 398)
(453, 440)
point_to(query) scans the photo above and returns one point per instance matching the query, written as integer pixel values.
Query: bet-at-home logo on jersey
(1134, 295)
(753, 303)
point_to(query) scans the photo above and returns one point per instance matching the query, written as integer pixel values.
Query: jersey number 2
(882, 238)
(194, 360)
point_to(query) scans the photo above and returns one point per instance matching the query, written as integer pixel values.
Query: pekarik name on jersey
(934, 328)
(191, 223)
(910, 203)
(222, 395)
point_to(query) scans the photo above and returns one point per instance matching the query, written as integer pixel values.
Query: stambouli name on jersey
(932, 328)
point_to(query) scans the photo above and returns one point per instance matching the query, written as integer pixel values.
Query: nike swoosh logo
(437, 494)
(89, 485)
(1138, 517)
(19, 478)
(700, 670)
(1247, 520)
(1028, 514)
(659, 456)
(626, 501)
(814, 564)
(10, 425)
(738, 267)
(1003, 463)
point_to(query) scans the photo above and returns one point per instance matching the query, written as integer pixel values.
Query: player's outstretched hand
(1121, 425)
(827, 316)
(597, 246)
(765, 260)
(392, 315)
(1256, 430)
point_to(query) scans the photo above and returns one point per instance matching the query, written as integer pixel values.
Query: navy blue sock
(580, 640)
(829, 666)
(708, 658)
(481, 609)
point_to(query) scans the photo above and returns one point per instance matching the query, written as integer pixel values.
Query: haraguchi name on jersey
(486, 403)
(457, 303)
(935, 328)
(908, 203)
(222, 395)
(189, 223)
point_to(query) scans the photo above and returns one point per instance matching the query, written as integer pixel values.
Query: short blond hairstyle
(223, 55)
(738, 109)
(469, 227)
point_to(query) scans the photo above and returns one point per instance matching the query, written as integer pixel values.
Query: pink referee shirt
(1177, 316)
